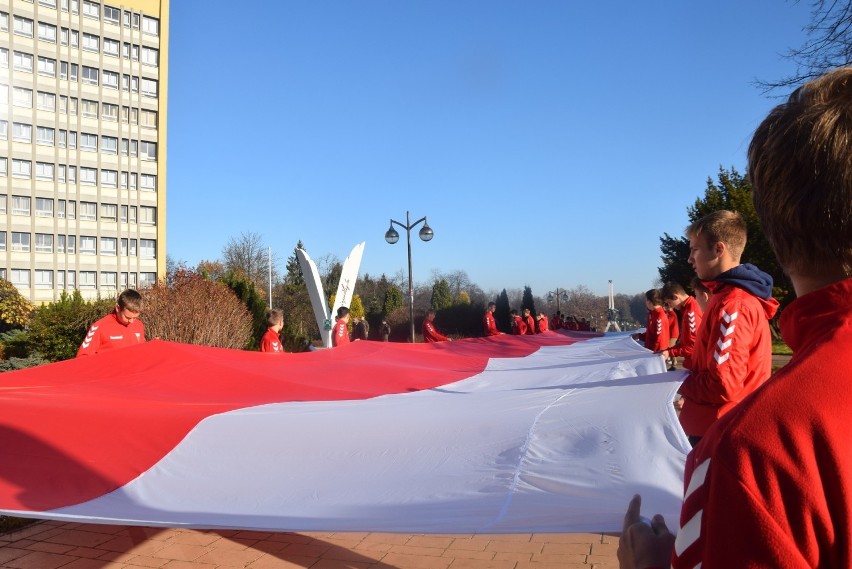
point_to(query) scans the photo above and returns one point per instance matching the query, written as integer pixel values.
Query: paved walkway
(53, 545)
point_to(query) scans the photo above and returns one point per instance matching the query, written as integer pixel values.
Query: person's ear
(719, 249)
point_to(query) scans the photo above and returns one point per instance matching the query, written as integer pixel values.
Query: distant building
(83, 88)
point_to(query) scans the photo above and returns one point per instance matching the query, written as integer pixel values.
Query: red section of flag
(78, 429)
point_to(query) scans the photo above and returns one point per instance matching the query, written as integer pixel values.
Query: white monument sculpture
(345, 288)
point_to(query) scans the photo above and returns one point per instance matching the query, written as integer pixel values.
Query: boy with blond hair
(771, 484)
(733, 347)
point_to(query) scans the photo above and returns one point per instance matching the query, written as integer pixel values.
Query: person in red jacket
(430, 333)
(676, 298)
(656, 334)
(529, 321)
(541, 320)
(488, 322)
(771, 483)
(118, 329)
(556, 321)
(733, 348)
(519, 327)
(271, 342)
(340, 332)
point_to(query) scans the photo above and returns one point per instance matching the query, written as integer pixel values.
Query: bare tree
(248, 257)
(828, 44)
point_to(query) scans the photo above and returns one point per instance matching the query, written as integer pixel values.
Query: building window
(2, 240)
(72, 241)
(90, 75)
(109, 211)
(22, 132)
(149, 182)
(4, 130)
(20, 242)
(91, 42)
(89, 108)
(123, 247)
(23, 26)
(60, 279)
(148, 248)
(3, 167)
(72, 280)
(60, 173)
(69, 37)
(23, 61)
(133, 210)
(150, 25)
(47, 32)
(150, 56)
(88, 211)
(60, 209)
(109, 145)
(111, 47)
(147, 279)
(109, 178)
(132, 248)
(148, 215)
(44, 135)
(20, 278)
(111, 79)
(72, 175)
(4, 21)
(148, 150)
(47, 66)
(46, 101)
(108, 279)
(87, 279)
(44, 207)
(149, 87)
(20, 205)
(2, 203)
(60, 243)
(43, 278)
(149, 118)
(22, 97)
(110, 112)
(108, 246)
(48, 3)
(88, 142)
(72, 209)
(88, 245)
(91, 9)
(4, 58)
(133, 180)
(43, 243)
(111, 15)
(44, 171)
(22, 169)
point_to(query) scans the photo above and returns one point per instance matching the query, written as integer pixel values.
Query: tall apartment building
(82, 145)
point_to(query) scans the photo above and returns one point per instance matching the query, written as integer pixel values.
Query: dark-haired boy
(118, 329)
(271, 341)
(676, 298)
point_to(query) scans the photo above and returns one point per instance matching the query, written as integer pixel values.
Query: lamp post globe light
(557, 295)
(392, 236)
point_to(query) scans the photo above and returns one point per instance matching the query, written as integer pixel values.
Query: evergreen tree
(56, 329)
(294, 274)
(528, 302)
(393, 300)
(441, 295)
(246, 291)
(501, 314)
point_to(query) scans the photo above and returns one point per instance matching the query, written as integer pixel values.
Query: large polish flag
(546, 433)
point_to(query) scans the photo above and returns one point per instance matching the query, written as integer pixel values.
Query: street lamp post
(392, 236)
(557, 295)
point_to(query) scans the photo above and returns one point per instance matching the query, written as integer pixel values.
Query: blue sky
(550, 143)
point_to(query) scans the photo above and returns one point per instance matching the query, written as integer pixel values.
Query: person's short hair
(672, 290)
(800, 167)
(513, 312)
(430, 311)
(131, 300)
(699, 286)
(342, 311)
(274, 317)
(721, 226)
(654, 297)
(490, 304)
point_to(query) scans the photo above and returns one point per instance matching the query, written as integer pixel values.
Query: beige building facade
(83, 90)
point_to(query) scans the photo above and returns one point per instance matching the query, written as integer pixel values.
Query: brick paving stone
(274, 562)
(417, 562)
(39, 560)
(230, 557)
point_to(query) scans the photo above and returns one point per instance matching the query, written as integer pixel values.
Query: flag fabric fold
(545, 433)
